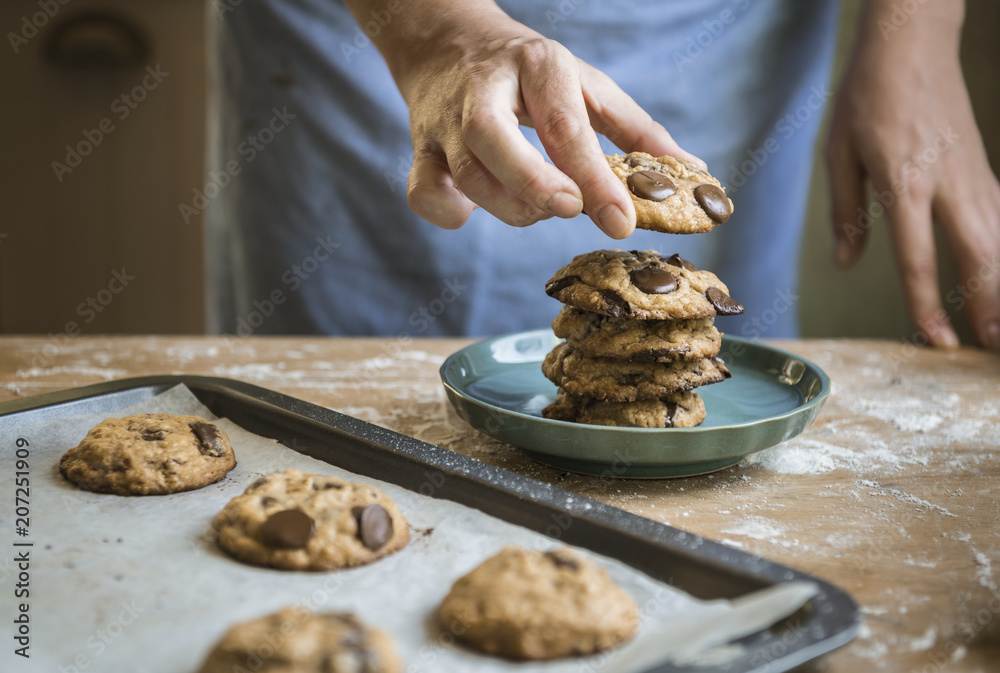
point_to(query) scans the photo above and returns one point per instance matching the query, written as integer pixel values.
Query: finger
(851, 221)
(913, 240)
(972, 221)
(554, 101)
(621, 120)
(432, 194)
(484, 189)
(490, 129)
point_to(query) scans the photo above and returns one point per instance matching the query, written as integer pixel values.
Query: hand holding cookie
(471, 75)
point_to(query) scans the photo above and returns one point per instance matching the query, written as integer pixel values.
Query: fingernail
(947, 338)
(843, 254)
(564, 204)
(613, 221)
(993, 335)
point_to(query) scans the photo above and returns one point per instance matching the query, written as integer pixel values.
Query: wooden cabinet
(97, 156)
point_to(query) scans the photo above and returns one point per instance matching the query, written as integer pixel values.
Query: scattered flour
(903, 496)
(757, 528)
(924, 642)
(105, 373)
(811, 456)
(984, 571)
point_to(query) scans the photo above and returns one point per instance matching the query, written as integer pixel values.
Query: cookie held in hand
(671, 194)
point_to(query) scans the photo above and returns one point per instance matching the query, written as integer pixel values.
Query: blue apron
(308, 227)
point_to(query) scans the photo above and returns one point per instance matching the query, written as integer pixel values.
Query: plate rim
(805, 408)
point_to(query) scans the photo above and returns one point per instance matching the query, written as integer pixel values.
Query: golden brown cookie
(677, 410)
(671, 194)
(302, 521)
(624, 381)
(641, 284)
(599, 335)
(149, 454)
(538, 605)
(298, 641)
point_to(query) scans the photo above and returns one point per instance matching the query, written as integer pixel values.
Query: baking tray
(705, 569)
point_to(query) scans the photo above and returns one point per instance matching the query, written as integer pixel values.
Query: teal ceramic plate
(497, 387)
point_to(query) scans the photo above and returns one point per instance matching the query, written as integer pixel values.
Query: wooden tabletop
(891, 494)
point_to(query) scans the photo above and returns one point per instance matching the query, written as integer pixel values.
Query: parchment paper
(136, 584)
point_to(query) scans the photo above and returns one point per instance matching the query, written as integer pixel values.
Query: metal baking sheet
(704, 569)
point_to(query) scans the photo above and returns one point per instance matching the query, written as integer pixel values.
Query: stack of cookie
(639, 327)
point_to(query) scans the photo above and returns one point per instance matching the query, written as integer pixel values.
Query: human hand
(470, 80)
(903, 120)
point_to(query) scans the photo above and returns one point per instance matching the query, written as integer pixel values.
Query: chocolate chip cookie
(302, 521)
(298, 641)
(641, 284)
(538, 605)
(149, 454)
(677, 410)
(624, 381)
(599, 335)
(671, 194)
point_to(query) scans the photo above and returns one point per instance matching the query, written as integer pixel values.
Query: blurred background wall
(97, 243)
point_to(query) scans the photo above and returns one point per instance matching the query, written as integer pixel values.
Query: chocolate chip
(210, 439)
(562, 561)
(636, 161)
(723, 303)
(671, 415)
(374, 526)
(651, 186)
(678, 261)
(721, 364)
(152, 435)
(267, 501)
(651, 280)
(614, 305)
(553, 287)
(287, 529)
(257, 484)
(713, 201)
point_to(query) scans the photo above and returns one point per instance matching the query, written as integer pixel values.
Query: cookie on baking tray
(624, 381)
(677, 410)
(671, 194)
(599, 335)
(149, 454)
(641, 284)
(538, 605)
(302, 521)
(298, 641)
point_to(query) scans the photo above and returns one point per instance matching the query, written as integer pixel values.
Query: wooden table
(891, 494)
